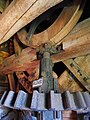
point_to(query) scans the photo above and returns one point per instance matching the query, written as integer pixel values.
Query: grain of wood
(25, 58)
(78, 73)
(84, 63)
(77, 43)
(68, 82)
(79, 31)
(59, 29)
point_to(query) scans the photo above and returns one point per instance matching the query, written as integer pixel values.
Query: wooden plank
(27, 66)
(78, 73)
(80, 30)
(71, 53)
(20, 13)
(77, 43)
(16, 62)
(84, 63)
(80, 46)
(32, 71)
(68, 82)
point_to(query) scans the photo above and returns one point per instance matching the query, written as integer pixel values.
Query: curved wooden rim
(58, 30)
(20, 14)
(69, 26)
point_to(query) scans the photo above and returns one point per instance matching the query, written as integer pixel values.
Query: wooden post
(46, 73)
(11, 82)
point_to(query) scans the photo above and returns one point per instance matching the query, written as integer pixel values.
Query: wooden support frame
(28, 56)
(78, 73)
(76, 43)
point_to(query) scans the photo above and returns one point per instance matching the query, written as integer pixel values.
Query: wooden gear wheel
(55, 33)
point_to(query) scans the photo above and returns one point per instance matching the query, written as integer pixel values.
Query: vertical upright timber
(46, 72)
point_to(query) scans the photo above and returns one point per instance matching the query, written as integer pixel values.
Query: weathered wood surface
(68, 82)
(77, 43)
(79, 31)
(78, 73)
(26, 66)
(19, 13)
(74, 51)
(2, 5)
(11, 82)
(31, 70)
(27, 55)
(19, 63)
(3, 84)
(59, 29)
(17, 47)
(84, 63)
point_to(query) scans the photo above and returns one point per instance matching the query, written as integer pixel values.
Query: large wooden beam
(79, 31)
(78, 72)
(20, 13)
(68, 82)
(19, 63)
(77, 43)
(74, 51)
(84, 63)
(71, 48)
